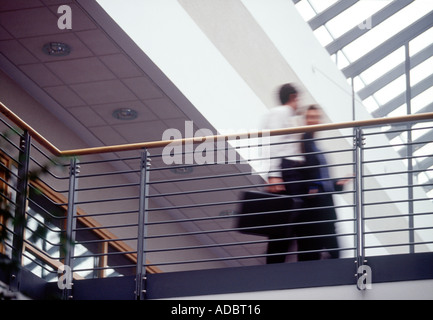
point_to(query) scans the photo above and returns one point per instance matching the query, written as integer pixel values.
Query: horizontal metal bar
(218, 245)
(236, 229)
(81, 176)
(106, 200)
(108, 187)
(240, 161)
(35, 261)
(394, 159)
(395, 173)
(255, 186)
(242, 257)
(103, 240)
(232, 216)
(398, 230)
(86, 215)
(106, 227)
(395, 201)
(208, 204)
(113, 253)
(88, 162)
(406, 244)
(413, 214)
(41, 251)
(48, 213)
(8, 184)
(400, 129)
(124, 266)
(240, 174)
(397, 145)
(399, 187)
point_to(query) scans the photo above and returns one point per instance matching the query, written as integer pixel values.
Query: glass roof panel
(307, 12)
(386, 64)
(422, 100)
(323, 35)
(421, 41)
(391, 90)
(421, 71)
(387, 29)
(387, 75)
(321, 5)
(354, 16)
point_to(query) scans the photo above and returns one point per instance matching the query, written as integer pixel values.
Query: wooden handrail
(158, 144)
(33, 133)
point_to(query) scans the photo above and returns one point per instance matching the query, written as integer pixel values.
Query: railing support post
(140, 280)
(67, 279)
(20, 210)
(363, 272)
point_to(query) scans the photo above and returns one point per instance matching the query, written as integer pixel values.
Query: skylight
(385, 46)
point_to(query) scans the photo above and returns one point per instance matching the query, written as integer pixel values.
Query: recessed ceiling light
(125, 114)
(57, 49)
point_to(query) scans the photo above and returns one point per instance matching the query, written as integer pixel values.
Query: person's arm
(274, 120)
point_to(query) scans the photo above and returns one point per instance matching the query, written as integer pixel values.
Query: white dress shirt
(283, 117)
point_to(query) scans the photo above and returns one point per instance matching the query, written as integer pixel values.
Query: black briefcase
(266, 214)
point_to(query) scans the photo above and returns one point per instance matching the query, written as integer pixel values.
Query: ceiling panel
(41, 74)
(65, 96)
(143, 87)
(4, 35)
(164, 108)
(34, 22)
(121, 66)
(16, 52)
(108, 135)
(141, 131)
(19, 4)
(103, 92)
(81, 70)
(87, 116)
(98, 42)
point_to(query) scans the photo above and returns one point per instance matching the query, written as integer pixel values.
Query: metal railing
(122, 210)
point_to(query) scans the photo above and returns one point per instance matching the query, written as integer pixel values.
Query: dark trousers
(278, 249)
(318, 223)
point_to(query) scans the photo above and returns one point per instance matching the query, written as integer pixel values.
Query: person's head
(313, 115)
(289, 95)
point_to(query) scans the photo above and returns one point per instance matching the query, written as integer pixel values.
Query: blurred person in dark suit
(318, 221)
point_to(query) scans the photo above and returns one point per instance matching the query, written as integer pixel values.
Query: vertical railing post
(140, 280)
(66, 285)
(409, 151)
(20, 210)
(361, 268)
